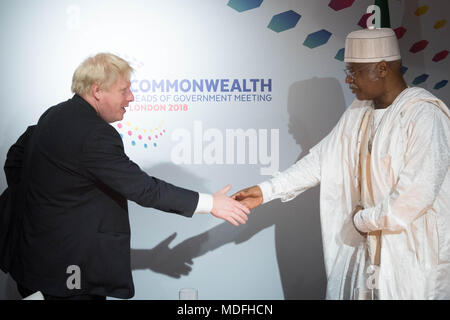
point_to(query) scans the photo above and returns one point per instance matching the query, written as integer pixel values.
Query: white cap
(371, 45)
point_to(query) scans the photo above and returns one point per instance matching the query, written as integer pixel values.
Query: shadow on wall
(8, 288)
(173, 262)
(11, 292)
(314, 107)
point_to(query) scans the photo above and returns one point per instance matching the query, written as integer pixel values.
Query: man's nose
(131, 97)
(348, 79)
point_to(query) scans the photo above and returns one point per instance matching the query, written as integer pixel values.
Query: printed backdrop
(225, 92)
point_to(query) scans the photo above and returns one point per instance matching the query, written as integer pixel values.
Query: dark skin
(381, 82)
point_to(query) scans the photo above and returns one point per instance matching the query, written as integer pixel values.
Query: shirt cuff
(266, 188)
(359, 222)
(205, 203)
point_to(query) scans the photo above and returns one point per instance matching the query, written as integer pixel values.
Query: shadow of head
(314, 106)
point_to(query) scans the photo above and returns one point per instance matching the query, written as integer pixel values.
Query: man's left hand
(358, 208)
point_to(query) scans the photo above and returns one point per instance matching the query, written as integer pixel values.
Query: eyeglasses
(350, 73)
(353, 73)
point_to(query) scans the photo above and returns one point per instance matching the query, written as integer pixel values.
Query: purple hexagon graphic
(440, 56)
(418, 46)
(400, 32)
(244, 5)
(317, 38)
(363, 21)
(337, 5)
(284, 21)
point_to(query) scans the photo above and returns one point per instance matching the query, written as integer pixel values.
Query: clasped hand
(235, 209)
(250, 197)
(229, 209)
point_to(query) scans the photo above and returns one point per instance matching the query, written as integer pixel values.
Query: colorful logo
(138, 136)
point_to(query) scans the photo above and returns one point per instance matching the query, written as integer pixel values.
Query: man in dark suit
(72, 231)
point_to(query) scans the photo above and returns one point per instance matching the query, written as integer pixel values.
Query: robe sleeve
(418, 184)
(302, 175)
(299, 177)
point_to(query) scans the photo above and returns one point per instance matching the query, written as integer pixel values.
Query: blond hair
(102, 69)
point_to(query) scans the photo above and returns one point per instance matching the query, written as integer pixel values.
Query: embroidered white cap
(371, 45)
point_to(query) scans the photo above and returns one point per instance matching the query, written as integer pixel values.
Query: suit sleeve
(105, 161)
(419, 183)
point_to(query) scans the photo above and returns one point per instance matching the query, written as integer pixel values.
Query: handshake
(235, 209)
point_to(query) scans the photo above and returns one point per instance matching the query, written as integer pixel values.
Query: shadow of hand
(161, 259)
(173, 262)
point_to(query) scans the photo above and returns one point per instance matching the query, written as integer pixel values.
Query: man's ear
(96, 91)
(382, 69)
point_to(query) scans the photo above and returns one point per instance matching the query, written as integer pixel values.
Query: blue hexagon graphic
(403, 69)
(284, 21)
(420, 79)
(244, 5)
(340, 54)
(317, 38)
(440, 84)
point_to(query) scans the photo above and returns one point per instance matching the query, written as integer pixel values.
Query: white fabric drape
(410, 186)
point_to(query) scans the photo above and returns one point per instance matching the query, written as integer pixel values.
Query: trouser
(24, 292)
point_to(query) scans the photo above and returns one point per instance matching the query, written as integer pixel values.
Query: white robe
(411, 197)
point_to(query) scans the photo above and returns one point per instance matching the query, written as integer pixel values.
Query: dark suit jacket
(76, 181)
(9, 206)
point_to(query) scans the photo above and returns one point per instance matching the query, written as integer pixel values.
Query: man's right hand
(228, 209)
(250, 197)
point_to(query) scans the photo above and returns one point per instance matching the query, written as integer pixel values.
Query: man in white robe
(384, 183)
